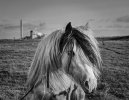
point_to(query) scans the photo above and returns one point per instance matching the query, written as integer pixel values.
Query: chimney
(21, 29)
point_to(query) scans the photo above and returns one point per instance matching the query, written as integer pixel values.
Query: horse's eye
(71, 53)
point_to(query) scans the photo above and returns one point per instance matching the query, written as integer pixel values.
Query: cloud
(124, 19)
(114, 23)
(29, 26)
(8, 26)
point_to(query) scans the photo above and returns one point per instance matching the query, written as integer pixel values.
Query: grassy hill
(16, 56)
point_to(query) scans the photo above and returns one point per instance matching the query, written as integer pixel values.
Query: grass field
(16, 56)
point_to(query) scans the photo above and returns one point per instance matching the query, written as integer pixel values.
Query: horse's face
(78, 66)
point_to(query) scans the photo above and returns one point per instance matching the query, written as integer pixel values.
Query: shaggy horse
(65, 66)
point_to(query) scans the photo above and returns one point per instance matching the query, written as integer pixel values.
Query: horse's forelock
(88, 44)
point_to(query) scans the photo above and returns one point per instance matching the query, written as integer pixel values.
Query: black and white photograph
(64, 49)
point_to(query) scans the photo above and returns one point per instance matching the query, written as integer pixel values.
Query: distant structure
(29, 37)
(21, 29)
(34, 35)
(31, 34)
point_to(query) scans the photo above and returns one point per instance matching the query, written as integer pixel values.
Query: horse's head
(66, 56)
(80, 57)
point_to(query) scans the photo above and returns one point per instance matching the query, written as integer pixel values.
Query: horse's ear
(68, 28)
(87, 26)
(64, 37)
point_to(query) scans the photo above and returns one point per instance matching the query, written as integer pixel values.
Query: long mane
(48, 57)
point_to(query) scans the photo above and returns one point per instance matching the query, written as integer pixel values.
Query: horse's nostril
(86, 83)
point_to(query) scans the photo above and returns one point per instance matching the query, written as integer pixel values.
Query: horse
(66, 65)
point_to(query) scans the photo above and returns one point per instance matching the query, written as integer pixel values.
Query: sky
(106, 17)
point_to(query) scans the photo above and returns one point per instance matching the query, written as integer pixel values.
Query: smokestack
(21, 29)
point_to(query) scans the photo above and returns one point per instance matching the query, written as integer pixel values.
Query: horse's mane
(47, 57)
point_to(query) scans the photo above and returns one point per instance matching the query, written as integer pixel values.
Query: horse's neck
(59, 82)
(42, 90)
